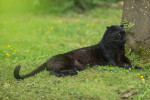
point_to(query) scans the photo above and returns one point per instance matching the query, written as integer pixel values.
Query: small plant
(127, 25)
(128, 51)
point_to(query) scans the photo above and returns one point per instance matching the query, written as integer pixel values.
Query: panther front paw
(137, 67)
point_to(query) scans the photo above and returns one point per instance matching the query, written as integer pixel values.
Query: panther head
(116, 34)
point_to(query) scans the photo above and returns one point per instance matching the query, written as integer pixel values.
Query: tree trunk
(138, 13)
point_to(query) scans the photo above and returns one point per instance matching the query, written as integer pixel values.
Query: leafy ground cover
(30, 40)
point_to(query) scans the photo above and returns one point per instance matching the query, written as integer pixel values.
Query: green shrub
(61, 5)
(48, 5)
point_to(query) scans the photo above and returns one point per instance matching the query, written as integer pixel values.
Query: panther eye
(118, 34)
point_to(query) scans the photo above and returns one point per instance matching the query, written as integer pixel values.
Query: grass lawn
(31, 39)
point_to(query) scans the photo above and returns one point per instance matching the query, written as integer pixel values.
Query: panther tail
(37, 70)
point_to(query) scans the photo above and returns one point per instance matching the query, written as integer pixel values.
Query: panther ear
(108, 27)
(122, 26)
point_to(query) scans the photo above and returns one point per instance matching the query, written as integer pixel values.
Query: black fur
(110, 51)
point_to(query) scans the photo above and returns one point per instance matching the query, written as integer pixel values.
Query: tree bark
(138, 13)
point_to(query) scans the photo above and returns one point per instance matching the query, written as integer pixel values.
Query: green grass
(39, 37)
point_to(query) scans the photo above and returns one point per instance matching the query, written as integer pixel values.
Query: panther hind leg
(64, 73)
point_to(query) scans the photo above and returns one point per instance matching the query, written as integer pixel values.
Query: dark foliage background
(49, 6)
(62, 5)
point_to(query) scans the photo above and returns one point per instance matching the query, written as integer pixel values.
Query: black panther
(109, 51)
